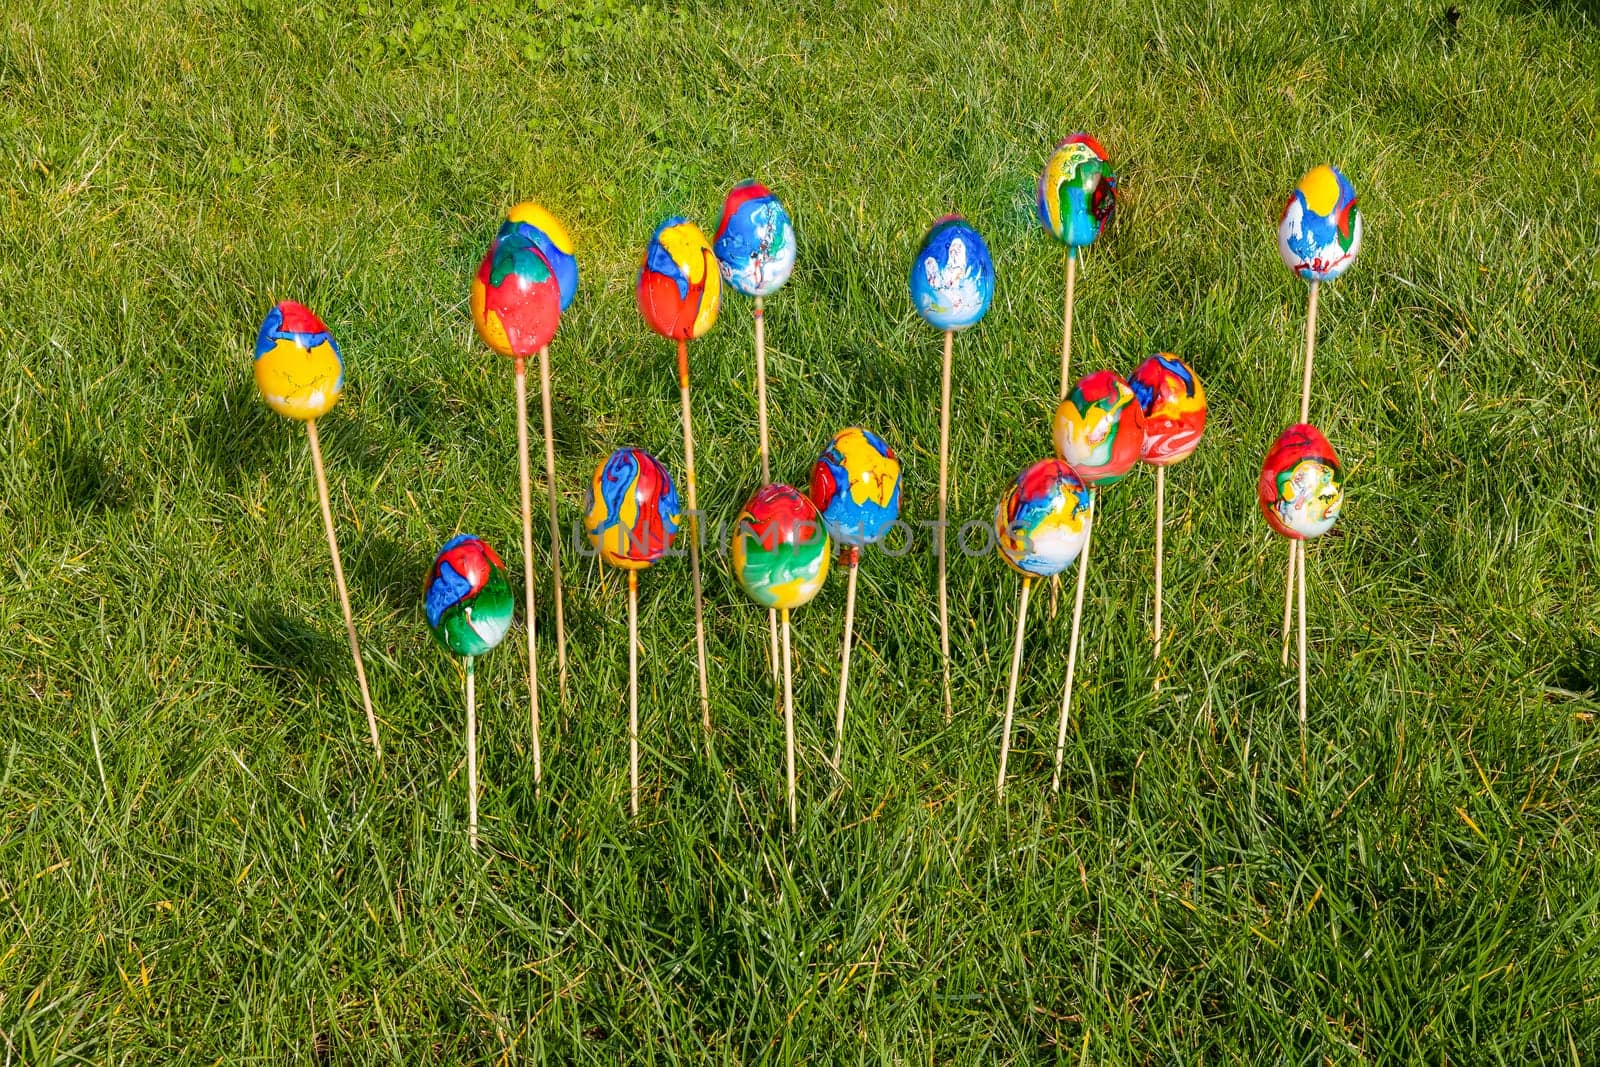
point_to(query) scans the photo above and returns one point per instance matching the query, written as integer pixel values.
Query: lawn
(199, 861)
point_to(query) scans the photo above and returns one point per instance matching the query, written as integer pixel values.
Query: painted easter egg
(755, 240)
(952, 279)
(1320, 231)
(680, 284)
(1302, 485)
(1043, 520)
(1174, 406)
(467, 597)
(516, 300)
(1099, 428)
(1077, 191)
(552, 240)
(855, 484)
(299, 369)
(781, 548)
(631, 512)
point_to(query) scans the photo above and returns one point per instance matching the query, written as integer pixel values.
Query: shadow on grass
(1578, 671)
(297, 656)
(421, 411)
(238, 436)
(90, 483)
(384, 569)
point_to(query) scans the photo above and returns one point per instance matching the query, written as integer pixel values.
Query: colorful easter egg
(755, 240)
(1174, 406)
(516, 300)
(1043, 520)
(1320, 231)
(299, 369)
(631, 512)
(1077, 191)
(680, 284)
(781, 549)
(551, 239)
(467, 597)
(855, 484)
(952, 279)
(1302, 485)
(1099, 428)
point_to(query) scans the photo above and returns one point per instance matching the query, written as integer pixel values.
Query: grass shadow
(389, 571)
(90, 483)
(296, 655)
(237, 436)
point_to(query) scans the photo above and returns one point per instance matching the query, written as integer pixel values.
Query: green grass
(198, 863)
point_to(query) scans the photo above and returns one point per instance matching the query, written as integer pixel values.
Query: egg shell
(680, 283)
(299, 369)
(551, 238)
(516, 300)
(1077, 191)
(467, 597)
(1099, 428)
(755, 240)
(781, 548)
(1319, 232)
(631, 512)
(855, 485)
(1301, 488)
(1042, 522)
(1174, 406)
(952, 277)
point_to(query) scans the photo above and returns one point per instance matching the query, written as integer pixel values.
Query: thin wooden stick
(555, 521)
(472, 759)
(1161, 512)
(1011, 690)
(527, 567)
(772, 642)
(853, 554)
(1072, 651)
(1066, 377)
(633, 693)
(1295, 547)
(766, 457)
(1311, 349)
(944, 499)
(788, 719)
(761, 391)
(1288, 600)
(338, 581)
(694, 536)
(1301, 555)
(1066, 323)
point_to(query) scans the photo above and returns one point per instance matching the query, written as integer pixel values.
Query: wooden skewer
(766, 456)
(944, 487)
(788, 719)
(1072, 653)
(633, 693)
(694, 536)
(853, 554)
(1161, 501)
(1301, 556)
(1296, 548)
(1011, 690)
(1288, 600)
(472, 759)
(527, 567)
(1066, 379)
(338, 581)
(1311, 349)
(555, 521)
(1066, 322)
